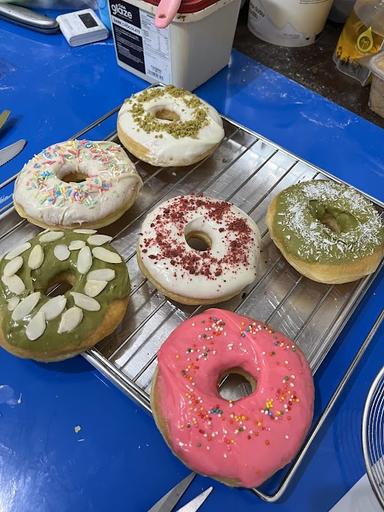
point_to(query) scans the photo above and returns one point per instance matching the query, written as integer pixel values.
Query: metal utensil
(196, 503)
(373, 435)
(9, 152)
(28, 18)
(3, 117)
(169, 500)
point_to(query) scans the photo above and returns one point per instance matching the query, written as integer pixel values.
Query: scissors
(169, 500)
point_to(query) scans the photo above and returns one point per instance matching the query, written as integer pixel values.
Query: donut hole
(74, 177)
(60, 284)
(165, 114)
(335, 219)
(198, 241)
(235, 384)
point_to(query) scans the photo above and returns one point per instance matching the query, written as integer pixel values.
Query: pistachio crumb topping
(148, 122)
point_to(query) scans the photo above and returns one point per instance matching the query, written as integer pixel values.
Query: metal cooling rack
(248, 170)
(373, 435)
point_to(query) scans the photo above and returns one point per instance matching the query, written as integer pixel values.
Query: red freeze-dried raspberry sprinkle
(200, 262)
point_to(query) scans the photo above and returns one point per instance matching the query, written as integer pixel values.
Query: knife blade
(9, 152)
(28, 18)
(196, 503)
(3, 117)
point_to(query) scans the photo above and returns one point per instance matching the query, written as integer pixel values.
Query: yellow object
(361, 38)
(365, 41)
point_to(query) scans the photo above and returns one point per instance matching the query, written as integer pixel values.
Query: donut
(77, 183)
(37, 326)
(167, 126)
(191, 276)
(327, 231)
(243, 442)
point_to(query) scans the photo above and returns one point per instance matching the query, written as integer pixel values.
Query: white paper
(360, 498)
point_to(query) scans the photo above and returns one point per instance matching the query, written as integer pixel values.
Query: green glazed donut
(328, 231)
(46, 328)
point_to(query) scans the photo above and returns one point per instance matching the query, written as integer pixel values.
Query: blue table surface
(118, 460)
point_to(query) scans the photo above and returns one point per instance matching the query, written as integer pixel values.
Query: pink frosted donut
(243, 442)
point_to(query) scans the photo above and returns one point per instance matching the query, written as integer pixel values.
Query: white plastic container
(376, 97)
(194, 47)
(288, 22)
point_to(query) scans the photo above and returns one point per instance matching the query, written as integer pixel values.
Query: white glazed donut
(192, 276)
(47, 194)
(167, 126)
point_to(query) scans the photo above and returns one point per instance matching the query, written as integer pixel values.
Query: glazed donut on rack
(167, 126)
(38, 326)
(242, 442)
(78, 183)
(199, 250)
(327, 231)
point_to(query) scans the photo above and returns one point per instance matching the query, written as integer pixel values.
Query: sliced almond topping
(36, 327)
(76, 245)
(93, 288)
(19, 250)
(51, 236)
(54, 307)
(36, 257)
(85, 231)
(12, 303)
(70, 320)
(84, 260)
(85, 302)
(99, 239)
(103, 274)
(26, 306)
(61, 252)
(14, 284)
(105, 255)
(13, 266)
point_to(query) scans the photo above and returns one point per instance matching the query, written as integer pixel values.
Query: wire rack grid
(249, 171)
(373, 435)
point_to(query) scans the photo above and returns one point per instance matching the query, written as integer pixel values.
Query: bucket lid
(376, 65)
(188, 6)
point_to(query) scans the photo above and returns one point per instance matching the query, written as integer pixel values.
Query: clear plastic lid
(376, 65)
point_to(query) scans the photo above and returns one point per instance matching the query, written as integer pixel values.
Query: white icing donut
(181, 272)
(166, 126)
(111, 185)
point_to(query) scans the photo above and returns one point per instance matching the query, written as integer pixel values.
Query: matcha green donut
(326, 230)
(45, 328)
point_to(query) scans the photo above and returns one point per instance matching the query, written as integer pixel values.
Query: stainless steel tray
(247, 170)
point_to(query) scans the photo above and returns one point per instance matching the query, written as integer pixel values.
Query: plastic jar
(288, 22)
(195, 46)
(376, 97)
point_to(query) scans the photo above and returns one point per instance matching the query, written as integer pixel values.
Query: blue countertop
(69, 440)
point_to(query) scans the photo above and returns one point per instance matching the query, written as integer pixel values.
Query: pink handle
(166, 11)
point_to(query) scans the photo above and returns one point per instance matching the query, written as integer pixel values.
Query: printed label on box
(139, 44)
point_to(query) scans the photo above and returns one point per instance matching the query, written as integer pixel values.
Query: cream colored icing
(168, 150)
(223, 270)
(111, 183)
(245, 440)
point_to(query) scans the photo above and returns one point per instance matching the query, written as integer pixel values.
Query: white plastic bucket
(188, 52)
(288, 22)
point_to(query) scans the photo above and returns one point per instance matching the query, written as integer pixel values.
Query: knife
(6, 154)
(3, 117)
(196, 503)
(28, 18)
